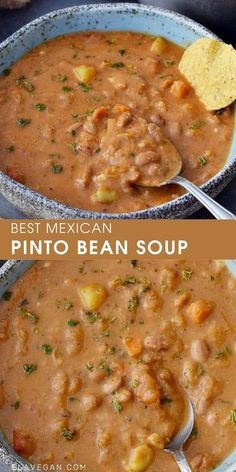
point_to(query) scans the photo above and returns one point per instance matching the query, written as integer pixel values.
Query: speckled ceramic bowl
(118, 16)
(9, 273)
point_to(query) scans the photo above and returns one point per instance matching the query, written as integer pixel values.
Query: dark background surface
(218, 15)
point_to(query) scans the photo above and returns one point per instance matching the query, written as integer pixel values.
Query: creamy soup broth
(95, 357)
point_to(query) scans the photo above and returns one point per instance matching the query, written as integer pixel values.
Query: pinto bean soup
(95, 359)
(83, 116)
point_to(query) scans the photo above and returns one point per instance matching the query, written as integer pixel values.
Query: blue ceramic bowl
(118, 16)
(9, 273)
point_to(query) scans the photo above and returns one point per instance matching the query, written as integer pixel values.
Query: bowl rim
(52, 206)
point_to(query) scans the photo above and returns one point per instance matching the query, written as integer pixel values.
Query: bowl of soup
(95, 356)
(87, 95)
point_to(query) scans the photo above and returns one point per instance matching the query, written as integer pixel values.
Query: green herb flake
(68, 434)
(133, 263)
(135, 383)
(40, 107)
(106, 368)
(122, 51)
(22, 122)
(15, 404)
(166, 400)
(81, 269)
(57, 168)
(202, 161)
(68, 305)
(72, 323)
(133, 303)
(233, 416)
(73, 147)
(223, 353)
(62, 78)
(10, 148)
(29, 368)
(117, 65)
(85, 87)
(25, 84)
(169, 62)
(197, 125)
(66, 89)
(186, 274)
(92, 316)
(26, 314)
(90, 366)
(6, 296)
(47, 348)
(117, 406)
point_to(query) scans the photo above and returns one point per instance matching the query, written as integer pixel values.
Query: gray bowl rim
(179, 207)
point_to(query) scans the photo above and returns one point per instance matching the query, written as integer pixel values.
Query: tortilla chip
(210, 67)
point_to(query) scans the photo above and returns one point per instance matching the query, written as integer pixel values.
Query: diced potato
(159, 45)
(85, 73)
(200, 310)
(105, 195)
(141, 458)
(92, 296)
(133, 346)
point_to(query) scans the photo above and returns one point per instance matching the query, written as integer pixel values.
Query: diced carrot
(133, 346)
(23, 443)
(100, 113)
(120, 109)
(200, 310)
(180, 89)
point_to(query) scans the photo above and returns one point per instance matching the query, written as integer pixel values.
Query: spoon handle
(181, 460)
(219, 212)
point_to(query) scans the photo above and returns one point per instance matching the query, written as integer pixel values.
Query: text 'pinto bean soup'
(95, 357)
(85, 116)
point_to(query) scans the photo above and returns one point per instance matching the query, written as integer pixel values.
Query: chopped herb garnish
(117, 406)
(72, 323)
(57, 168)
(29, 368)
(15, 405)
(22, 122)
(10, 148)
(66, 89)
(40, 107)
(85, 87)
(201, 370)
(202, 161)
(122, 51)
(6, 296)
(165, 400)
(135, 383)
(68, 305)
(117, 65)
(73, 399)
(92, 316)
(81, 269)
(73, 147)
(223, 353)
(47, 348)
(6, 72)
(90, 367)
(24, 313)
(25, 84)
(62, 78)
(169, 62)
(186, 274)
(233, 416)
(106, 334)
(133, 262)
(104, 366)
(129, 280)
(197, 125)
(68, 434)
(133, 303)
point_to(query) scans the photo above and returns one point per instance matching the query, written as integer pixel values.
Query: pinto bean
(74, 340)
(123, 395)
(60, 383)
(97, 375)
(152, 301)
(200, 350)
(155, 132)
(145, 387)
(124, 119)
(146, 157)
(155, 343)
(112, 384)
(23, 443)
(90, 401)
(209, 389)
(157, 119)
(182, 300)
(75, 384)
(169, 278)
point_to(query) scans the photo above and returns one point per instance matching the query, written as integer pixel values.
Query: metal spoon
(171, 176)
(175, 447)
